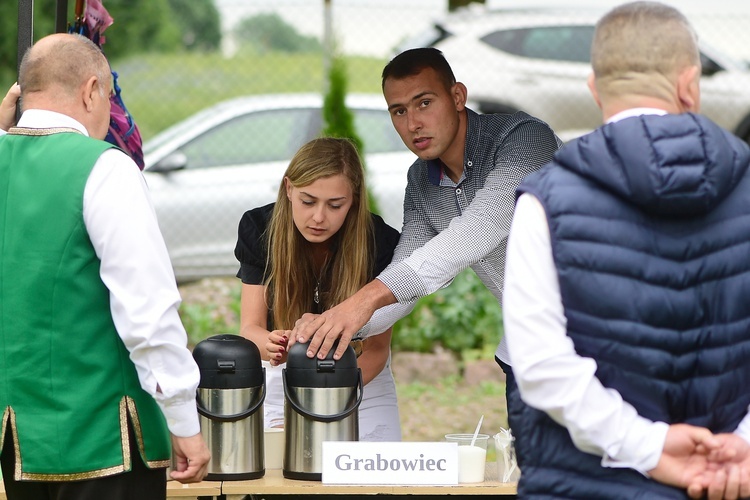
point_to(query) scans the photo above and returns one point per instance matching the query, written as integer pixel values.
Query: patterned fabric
(123, 131)
(450, 226)
(648, 231)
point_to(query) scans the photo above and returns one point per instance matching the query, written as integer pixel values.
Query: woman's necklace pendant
(316, 294)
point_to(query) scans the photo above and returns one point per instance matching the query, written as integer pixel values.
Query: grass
(429, 411)
(162, 89)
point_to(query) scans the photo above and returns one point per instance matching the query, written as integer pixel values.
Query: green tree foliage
(139, 26)
(199, 23)
(463, 317)
(338, 119)
(44, 23)
(269, 32)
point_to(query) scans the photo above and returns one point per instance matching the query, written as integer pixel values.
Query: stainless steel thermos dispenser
(321, 401)
(230, 403)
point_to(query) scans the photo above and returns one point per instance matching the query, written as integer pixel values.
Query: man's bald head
(62, 63)
(68, 74)
(640, 49)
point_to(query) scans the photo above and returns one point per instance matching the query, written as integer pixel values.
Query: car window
(559, 43)
(376, 130)
(252, 138)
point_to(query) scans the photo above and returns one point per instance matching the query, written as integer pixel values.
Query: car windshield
(177, 130)
(256, 137)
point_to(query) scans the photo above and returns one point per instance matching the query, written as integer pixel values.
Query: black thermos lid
(228, 361)
(302, 371)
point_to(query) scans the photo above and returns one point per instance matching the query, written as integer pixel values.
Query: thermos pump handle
(316, 416)
(237, 416)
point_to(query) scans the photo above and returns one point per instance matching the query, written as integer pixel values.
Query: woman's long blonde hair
(291, 278)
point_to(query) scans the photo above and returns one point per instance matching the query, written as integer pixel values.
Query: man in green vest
(95, 374)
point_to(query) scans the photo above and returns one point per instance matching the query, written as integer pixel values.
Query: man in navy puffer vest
(627, 283)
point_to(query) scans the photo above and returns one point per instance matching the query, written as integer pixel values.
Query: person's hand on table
(276, 347)
(8, 107)
(192, 458)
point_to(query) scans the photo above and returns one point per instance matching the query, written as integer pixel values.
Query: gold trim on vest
(3, 423)
(78, 476)
(151, 464)
(127, 408)
(124, 434)
(16, 449)
(42, 131)
(9, 419)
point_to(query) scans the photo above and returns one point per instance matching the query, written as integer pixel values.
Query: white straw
(476, 432)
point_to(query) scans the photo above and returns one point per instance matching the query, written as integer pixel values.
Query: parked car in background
(538, 60)
(206, 171)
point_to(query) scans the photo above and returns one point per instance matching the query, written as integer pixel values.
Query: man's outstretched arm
(341, 321)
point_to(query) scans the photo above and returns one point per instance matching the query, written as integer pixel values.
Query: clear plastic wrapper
(507, 467)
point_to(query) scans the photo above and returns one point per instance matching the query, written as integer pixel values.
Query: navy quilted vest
(650, 227)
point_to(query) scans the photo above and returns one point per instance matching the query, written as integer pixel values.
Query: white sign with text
(394, 463)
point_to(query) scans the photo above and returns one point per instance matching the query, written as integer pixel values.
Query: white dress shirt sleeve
(551, 376)
(743, 430)
(136, 269)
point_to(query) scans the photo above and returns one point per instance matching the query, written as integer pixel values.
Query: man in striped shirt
(458, 204)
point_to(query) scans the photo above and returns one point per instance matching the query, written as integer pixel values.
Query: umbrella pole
(61, 16)
(25, 34)
(25, 27)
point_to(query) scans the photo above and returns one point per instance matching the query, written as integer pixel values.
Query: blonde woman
(313, 248)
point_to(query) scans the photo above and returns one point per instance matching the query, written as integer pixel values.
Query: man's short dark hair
(412, 61)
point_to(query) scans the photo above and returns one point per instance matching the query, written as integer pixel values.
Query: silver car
(537, 60)
(206, 171)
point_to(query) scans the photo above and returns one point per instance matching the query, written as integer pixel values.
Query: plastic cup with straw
(476, 432)
(472, 454)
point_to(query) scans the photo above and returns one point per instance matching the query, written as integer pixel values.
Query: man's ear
(591, 82)
(459, 94)
(688, 89)
(91, 86)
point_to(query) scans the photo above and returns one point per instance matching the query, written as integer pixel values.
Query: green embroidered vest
(67, 385)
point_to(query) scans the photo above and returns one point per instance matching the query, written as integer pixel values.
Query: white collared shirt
(551, 376)
(135, 267)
